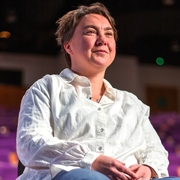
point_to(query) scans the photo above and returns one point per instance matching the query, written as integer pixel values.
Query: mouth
(100, 51)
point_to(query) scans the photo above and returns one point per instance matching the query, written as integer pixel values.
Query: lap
(167, 178)
(86, 174)
(80, 174)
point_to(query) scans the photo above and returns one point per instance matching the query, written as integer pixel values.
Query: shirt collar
(70, 76)
(110, 91)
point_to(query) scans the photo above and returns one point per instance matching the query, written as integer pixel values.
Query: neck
(97, 88)
(97, 85)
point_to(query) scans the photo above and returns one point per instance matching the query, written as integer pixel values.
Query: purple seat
(7, 171)
(173, 170)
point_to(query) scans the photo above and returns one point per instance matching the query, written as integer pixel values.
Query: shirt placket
(100, 130)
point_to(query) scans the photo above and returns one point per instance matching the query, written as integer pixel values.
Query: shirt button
(102, 129)
(99, 109)
(100, 148)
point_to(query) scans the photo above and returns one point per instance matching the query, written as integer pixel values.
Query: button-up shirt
(61, 128)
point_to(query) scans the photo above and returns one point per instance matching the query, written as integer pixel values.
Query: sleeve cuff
(88, 159)
(153, 172)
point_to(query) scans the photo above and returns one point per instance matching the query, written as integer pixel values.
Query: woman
(75, 125)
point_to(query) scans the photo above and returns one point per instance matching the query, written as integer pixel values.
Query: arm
(113, 168)
(36, 145)
(154, 156)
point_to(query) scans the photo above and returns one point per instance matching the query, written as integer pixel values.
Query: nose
(101, 40)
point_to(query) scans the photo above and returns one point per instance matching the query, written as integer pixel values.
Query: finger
(135, 167)
(123, 176)
(129, 173)
(120, 168)
(115, 173)
(112, 177)
(141, 173)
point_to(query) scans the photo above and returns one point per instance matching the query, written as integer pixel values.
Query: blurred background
(147, 62)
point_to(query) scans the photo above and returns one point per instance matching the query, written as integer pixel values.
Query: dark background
(147, 28)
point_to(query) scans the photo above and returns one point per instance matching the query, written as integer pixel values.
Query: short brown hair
(68, 23)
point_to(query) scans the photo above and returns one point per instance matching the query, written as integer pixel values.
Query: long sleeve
(154, 155)
(36, 146)
(60, 128)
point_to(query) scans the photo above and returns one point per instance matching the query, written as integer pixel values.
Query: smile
(100, 51)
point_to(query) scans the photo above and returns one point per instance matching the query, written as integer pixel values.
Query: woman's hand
(142, 172)
(113, 168)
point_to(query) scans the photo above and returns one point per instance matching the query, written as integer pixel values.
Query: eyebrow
(95, 27)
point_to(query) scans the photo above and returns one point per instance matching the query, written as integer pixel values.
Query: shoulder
(55, 80)
(45, 85)
(126, 95)
(129, 99)
(47, 81)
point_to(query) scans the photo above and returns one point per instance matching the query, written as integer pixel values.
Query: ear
(67, 48)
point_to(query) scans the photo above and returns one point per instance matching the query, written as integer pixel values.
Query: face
(92, 47)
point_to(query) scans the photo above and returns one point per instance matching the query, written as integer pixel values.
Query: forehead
(94, 19)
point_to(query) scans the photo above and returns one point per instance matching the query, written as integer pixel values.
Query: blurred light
(5, 34)
(3, 130)
(168, 2)
(11, 16)
(13, 158)
(175, 46)
(160, 61)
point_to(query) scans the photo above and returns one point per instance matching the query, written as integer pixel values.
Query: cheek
(79, 44)
(86, 45)
(112, 47)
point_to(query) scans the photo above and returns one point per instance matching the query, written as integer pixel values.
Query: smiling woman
(92, 46)
(65, 26)
(75, 125)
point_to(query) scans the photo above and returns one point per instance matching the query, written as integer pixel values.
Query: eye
(109, 33)
(91, 32)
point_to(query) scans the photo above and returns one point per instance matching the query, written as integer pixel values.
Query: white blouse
(59, 128)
